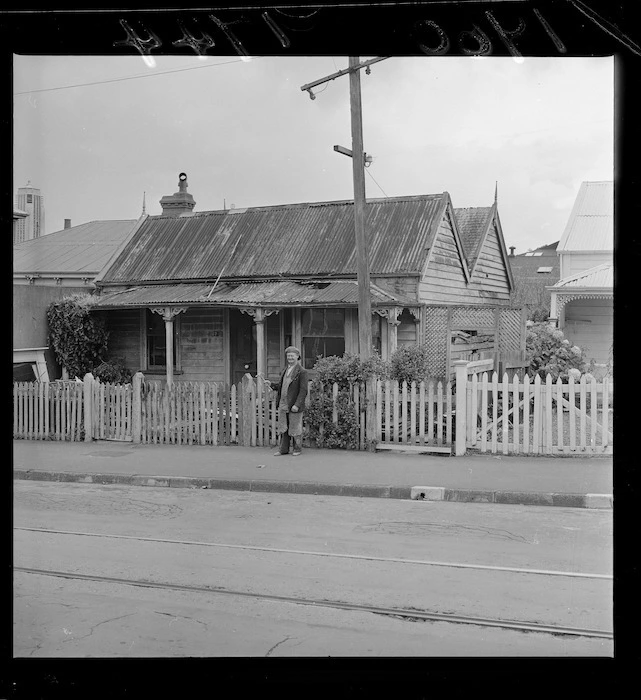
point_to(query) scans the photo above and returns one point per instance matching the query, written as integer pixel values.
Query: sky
(94, 133)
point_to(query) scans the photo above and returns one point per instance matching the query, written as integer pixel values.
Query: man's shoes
(295, 453)
(281, 454)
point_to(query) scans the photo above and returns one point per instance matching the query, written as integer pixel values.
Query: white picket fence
(414, 415)
(538, 417)
(48, 410)
(477, 412)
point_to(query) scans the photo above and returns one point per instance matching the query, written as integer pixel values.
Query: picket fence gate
(538, 417)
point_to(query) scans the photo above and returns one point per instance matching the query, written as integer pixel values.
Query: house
(46, 269)
(213, 295)
(534, 271)
(582, 300)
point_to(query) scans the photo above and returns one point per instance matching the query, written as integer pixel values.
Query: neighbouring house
(213, 295)
(534, 271)
(46, 269)
(582, 301)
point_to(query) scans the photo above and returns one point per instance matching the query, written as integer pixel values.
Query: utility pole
(358, 169)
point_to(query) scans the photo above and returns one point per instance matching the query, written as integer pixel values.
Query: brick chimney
(67, 223)
(180, 202)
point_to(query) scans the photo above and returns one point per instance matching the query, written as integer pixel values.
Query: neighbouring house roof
(281, 293)
(80, 249)
(473, 223)
(527, 265)
(599, 277)
(309, 239)
(591, 223)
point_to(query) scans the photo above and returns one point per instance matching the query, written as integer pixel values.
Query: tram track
(335, 555)
(404, 613)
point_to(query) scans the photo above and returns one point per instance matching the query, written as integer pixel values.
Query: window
(323, 332)
(29, 199)
(156, 341)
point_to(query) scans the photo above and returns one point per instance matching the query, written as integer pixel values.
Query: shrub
(549, 352)
(344, 371)
(78, 338)
(349, 368)
(113, 371)
(533, 295)
(410, 363)
(322, 430)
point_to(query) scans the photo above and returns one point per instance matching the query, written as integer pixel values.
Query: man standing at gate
(292, 390)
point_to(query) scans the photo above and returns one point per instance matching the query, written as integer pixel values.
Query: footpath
(574, 482)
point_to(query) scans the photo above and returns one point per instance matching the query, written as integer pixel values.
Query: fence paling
(516, 429)
(605, 405)
(72, 424)
(571, 403)
(404, 412)
(413, 412)
(484, 395)
(506, 398)
(448, 412)
(593, 412)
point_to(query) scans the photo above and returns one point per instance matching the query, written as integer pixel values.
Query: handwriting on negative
(426, 34)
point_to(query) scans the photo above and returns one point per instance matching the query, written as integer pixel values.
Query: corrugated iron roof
(80, 249)
(267, 294)
(526, 266)
(299, 239)
(600, 276)
(591, 223)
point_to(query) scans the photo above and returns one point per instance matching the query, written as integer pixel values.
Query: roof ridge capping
(301, 205)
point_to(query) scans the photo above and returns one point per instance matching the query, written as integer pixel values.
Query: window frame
(176, 338)
(324, 309)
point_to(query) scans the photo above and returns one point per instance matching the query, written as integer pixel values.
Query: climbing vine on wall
(78, 337)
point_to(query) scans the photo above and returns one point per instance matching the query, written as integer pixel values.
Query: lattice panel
(509, 330)
(436, 338)
(472, 317)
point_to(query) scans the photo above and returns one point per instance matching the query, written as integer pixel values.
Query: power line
(377, 185)
(133, 77)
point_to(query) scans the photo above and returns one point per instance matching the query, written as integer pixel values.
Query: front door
(242, 348)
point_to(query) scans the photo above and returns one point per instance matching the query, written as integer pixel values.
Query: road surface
(112, 571)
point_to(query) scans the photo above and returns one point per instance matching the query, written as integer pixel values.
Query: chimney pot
(512, 249)
(67, 223)
(180, 202)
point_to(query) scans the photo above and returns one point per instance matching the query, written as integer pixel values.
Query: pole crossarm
(359, 161)
(338, 74)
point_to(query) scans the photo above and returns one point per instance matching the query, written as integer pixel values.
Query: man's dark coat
(297, 390)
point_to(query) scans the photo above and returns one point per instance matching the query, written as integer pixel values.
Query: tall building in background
(30, 201)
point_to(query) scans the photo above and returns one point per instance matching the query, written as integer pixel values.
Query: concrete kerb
(424, 493)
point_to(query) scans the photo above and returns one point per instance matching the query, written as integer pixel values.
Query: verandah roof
(257, 294)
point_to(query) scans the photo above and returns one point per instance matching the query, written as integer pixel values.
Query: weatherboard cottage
(210, 296)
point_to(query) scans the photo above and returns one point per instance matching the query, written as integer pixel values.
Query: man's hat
(291, 348)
